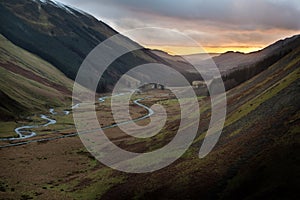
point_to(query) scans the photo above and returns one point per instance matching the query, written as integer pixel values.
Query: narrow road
(21, 132)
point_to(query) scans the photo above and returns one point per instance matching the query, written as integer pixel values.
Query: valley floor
(256, 156)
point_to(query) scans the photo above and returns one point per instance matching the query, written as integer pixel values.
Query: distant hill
(64, 36)
(197, 58)
(237, 67)
(230, 60)
(256, 156)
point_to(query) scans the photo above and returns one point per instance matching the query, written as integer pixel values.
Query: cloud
(257, 14)
(260, 14)
(212, 23)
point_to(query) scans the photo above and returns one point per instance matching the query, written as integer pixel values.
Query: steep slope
(46, 29)
(256, 156)
(29, 84)
(64, 36)
(230, 61)
(237, 68)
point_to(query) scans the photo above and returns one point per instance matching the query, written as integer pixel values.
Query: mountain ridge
(65, 37)
(256, 156)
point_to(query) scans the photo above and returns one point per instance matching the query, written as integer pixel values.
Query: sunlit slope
(262, 133)
(28, 83)
(255, 157)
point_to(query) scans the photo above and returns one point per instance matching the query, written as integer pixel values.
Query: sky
(217, 25)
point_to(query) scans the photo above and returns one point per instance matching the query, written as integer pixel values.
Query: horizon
(127, 99)
(190, 50)
(215, 26)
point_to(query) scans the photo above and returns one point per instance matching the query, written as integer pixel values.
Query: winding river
(24, 133)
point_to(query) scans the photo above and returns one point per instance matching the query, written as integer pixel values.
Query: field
(75, 174)
(64, 169)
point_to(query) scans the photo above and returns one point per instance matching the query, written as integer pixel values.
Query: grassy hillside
(64, 36)
(29, 84)
(255, 157)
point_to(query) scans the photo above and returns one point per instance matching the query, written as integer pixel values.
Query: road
(21, 132)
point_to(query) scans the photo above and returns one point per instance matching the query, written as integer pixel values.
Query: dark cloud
(258, 14)
(228, 22)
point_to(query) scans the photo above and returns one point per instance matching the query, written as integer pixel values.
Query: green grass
(254, 103)
(7, 129)
(31, 62)
(33, 96)
(91, 186)
(264, 96)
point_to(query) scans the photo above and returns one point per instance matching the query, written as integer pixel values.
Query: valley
(138, 113)
(42, 45)
(67, 170)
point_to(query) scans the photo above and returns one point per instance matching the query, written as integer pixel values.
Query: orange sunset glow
(186, 50)
(259, 23)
